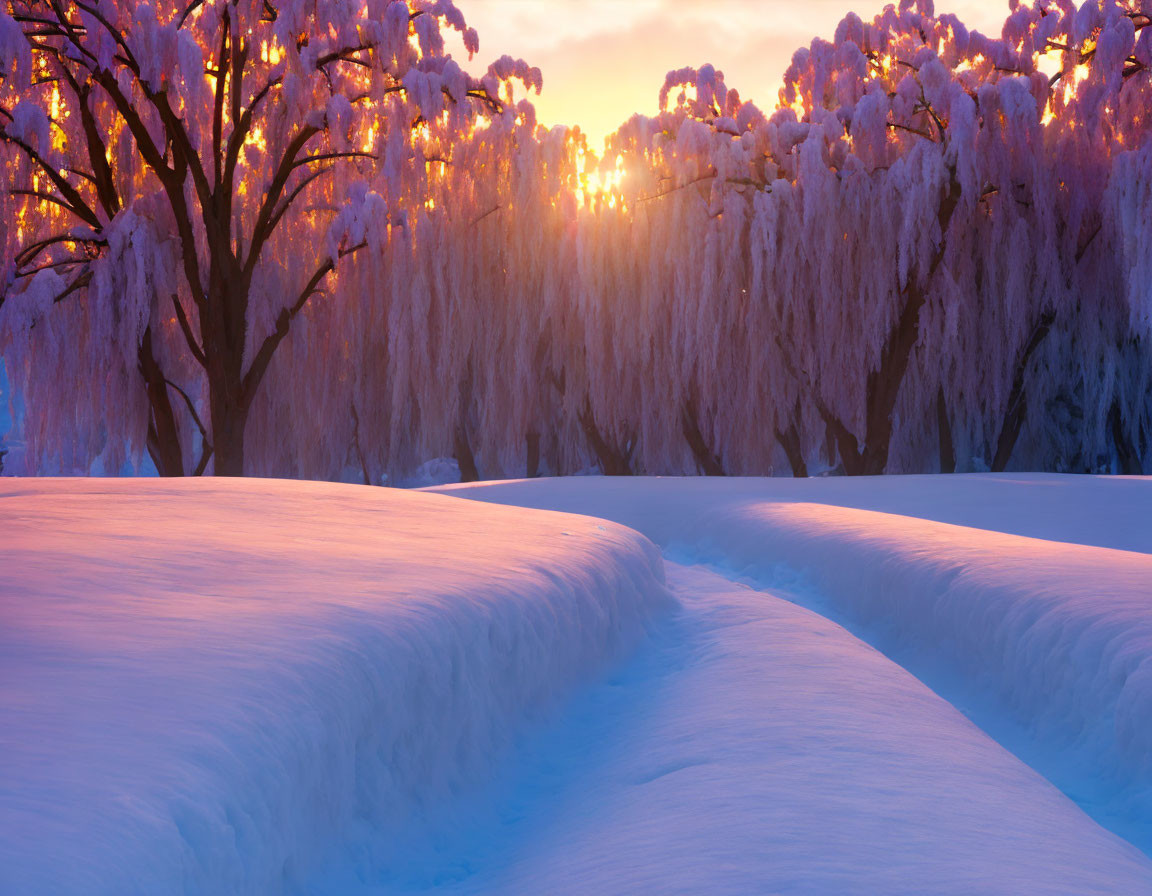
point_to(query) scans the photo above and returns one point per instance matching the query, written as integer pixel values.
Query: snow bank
(1058, 634)
(1045, 641)
(1106, 511)
(756, 747)
(205, 687)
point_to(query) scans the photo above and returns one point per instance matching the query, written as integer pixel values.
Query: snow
(1105, 511)
(1046, 643)
(1051, 643)
(206, 686)
(904, 685)
(756, 747)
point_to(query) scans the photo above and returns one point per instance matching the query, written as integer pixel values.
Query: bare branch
(328, 156)
(72, 200)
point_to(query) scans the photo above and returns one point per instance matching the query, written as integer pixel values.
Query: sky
(603, 60)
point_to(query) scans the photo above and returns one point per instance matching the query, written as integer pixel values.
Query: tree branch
(186, 329)
(263, 357)
(191, 410)
(74, 201)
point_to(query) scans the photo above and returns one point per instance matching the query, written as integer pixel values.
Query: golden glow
(270, 53)
(969, 64)
(597, 186)
(58, 113)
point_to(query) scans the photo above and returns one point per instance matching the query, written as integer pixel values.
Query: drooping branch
(263, 358)
(172, 180)
(57, 201)
(186, 328)
(329, 156)
(70, 198)
(262, 231)
(29, 253)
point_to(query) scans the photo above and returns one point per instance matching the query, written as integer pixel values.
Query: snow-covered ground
(756, 747)
(901, 685)
(206, 687)
(1104, 511)
(1044, 637)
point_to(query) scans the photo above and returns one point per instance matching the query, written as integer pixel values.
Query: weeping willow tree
(185, 179)
(930, 254)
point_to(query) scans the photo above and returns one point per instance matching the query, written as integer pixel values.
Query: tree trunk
(532, 441)
(465, 459)
(223, 330)
(789, 440)
(228, 424)
(883, 384)
(613, 461)
(461, 444)
(944, 434)
(358, 447)
(1127, 456)
(706, 461)
(1016, 411)
(163, 433)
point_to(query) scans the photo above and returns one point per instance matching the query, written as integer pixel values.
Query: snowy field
(205, 686)
(887, 686)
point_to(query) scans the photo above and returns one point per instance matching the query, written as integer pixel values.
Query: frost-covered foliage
(932, 254)
(185, 178)
(926, 257)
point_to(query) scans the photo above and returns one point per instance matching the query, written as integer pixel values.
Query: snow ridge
(1059, 635)
(208, 687)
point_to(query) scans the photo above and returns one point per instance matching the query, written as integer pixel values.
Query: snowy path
(755, 746)
(1025, 601)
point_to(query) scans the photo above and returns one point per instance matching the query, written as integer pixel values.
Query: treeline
(933, 254)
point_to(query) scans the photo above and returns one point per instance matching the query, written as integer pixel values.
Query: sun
(599, 184)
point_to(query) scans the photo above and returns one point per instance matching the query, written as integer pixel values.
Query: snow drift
(1045, 641)
(755, 747)
(1060, 635)
(207, 686)
(1105, 511)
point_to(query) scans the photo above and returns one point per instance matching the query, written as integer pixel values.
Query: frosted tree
(186, 178)
(441, 326)
(911, 230)
(252, 240)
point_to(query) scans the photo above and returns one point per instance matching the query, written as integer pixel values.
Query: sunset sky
(605, 59)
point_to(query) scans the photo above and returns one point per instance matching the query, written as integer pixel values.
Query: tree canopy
(292, 247)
